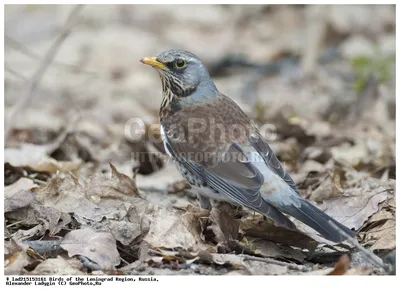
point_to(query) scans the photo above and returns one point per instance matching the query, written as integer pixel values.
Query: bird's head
(182, 74)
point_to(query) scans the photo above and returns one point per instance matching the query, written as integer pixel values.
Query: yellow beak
(152, 61)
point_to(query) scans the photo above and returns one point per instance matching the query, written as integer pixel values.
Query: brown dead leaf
(224, 227)
(100, 247)
(37, 158)
(16, 258)
(331, 186)
(160, 180)
(24, 208)
(12, 174)
(273, 250)
(261, 268)
(168, 229)
(23, 184)
(94, 198)
(117, 187)
(360, 271)
(124, 231)
(58, 266)
(36, 231)
(356, 205)
(383, 237)
(63, 192)
(342, 266)
(195, 220)
(258, 228)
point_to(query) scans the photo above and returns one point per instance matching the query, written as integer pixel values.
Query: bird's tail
(319, 221)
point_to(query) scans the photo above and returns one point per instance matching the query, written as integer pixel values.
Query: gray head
(182, 73)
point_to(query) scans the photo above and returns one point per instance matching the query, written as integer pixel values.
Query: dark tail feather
(273, 213)
(319, 221)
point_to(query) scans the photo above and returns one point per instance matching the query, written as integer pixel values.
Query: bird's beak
(152, 61)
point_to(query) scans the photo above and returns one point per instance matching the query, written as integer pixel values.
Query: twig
(152, 189)
(15, 73)
(51, 147)
(36, 78)
(372, 258)
(26, 51)
(275, 262)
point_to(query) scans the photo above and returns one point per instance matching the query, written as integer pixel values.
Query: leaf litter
(68, 210)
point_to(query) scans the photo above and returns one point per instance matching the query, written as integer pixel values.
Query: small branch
(372, 258)
(16, 45)
(275, 262)
(15, 73)
(37, 77)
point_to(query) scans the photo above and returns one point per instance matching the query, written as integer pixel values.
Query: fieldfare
(221, 152)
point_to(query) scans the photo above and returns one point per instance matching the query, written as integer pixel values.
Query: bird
(222, 154)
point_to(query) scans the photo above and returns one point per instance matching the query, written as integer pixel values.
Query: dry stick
(275, 262)
(27, 52)
(372, 258)
(15, 73)
(36, 78)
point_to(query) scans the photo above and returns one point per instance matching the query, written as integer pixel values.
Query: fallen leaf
(92, 199)
(355, 206)
(261, 268)
(382, 238)
(12, 174)
(224, 227)
(360, 271)
(100, 247)
(259, 228)
(168, 229)
(273, 250)
(16, 258)
(331, 186)
(63, 192)
(24, 208)
(342, 266)
(117, 187)
(159, 180)
(58, 266)
(23, 184)
(123, 231)
(36, 157)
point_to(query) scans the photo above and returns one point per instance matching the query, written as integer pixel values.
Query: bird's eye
(180, 63)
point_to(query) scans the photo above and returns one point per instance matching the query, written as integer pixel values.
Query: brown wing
(220, 164)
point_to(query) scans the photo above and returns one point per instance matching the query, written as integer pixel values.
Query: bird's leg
(204, 202)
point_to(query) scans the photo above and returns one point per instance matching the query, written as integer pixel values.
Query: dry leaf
(123, 231)
(223, 226)
(16, 258)
(23, 184)
(259, 228)
(355, 206)
(23, 207)
(64, 193)
(36, 157)
(59, 267)
(273, 250)
(168, 229)
(99, 247)
(382, 238)
(342, 266)
(117, 187)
